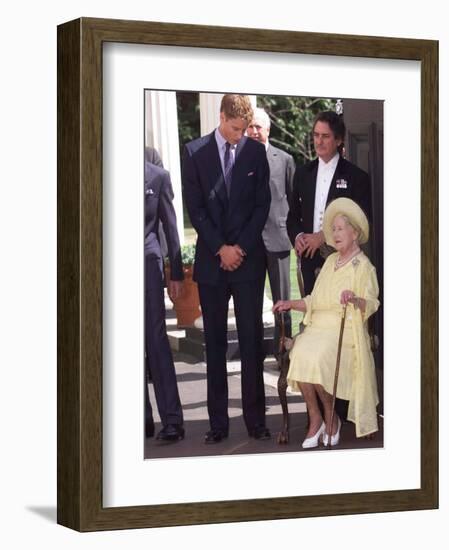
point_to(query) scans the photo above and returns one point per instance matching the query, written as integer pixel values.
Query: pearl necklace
(339, 262)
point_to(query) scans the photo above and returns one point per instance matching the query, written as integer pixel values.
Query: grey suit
(275, 237)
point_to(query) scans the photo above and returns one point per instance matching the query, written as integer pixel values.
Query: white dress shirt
(326, 171)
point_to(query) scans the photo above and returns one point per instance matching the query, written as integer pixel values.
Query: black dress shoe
(171, 432)
(149, 430)
(215, 436)
(260, 432)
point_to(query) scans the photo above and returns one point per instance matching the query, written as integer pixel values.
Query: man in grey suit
(275, 236)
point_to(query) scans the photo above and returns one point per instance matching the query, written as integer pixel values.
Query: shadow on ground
(192, 388)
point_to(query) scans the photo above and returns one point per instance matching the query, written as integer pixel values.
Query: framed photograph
(104, 68)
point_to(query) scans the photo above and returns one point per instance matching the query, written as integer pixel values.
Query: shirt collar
(332, 164)
(221, 141)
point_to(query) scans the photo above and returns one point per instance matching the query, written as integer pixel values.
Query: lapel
(333, 191)
(311, 183)
(152, 183)
(237, 173)
(273, 161)
(213, 162)
(148, 171)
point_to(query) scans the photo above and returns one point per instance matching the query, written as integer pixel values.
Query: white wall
(28, 274)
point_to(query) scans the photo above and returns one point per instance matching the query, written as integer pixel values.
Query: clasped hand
(231, 257)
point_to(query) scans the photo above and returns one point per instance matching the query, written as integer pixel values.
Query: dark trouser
(278, 267)
(159, 359)
(309, 268)
(248, 304)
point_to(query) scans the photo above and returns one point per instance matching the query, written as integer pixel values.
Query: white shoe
(334, 438)
(313, 441)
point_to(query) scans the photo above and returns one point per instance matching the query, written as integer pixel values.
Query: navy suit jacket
(159, 208)
(348, 181)
(220, 220)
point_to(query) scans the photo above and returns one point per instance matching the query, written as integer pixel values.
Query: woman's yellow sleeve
(370, 292)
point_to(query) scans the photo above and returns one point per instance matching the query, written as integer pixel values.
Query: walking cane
(299, 276)
(337, 369)
(283, 436)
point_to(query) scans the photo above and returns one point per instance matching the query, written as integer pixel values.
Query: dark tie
(228, 167)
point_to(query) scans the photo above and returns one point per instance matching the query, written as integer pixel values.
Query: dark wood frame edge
(80, 274)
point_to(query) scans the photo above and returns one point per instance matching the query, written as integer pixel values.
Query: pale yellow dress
(313, 356)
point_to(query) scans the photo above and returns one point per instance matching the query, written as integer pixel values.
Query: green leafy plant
(291, 122)
(188, 254)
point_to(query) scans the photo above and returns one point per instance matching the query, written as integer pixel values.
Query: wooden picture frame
(80, 274)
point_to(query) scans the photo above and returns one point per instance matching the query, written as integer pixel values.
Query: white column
(253, 99)
(209, 112)
(161, 132)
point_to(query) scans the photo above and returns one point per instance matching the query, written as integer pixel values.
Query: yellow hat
(345, 207)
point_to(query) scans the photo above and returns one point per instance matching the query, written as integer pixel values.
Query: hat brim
(345, 207)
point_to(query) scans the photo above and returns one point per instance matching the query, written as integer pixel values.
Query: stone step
(197, 334)
(197, 348)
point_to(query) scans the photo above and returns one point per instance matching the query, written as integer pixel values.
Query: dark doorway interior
(364, 147)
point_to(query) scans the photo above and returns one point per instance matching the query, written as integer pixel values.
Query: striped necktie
(228, 164)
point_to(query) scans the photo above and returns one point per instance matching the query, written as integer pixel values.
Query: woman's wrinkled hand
(347, 296)
(281, 305)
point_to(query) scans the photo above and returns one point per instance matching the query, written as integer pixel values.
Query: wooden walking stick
(285, 343)
(299, 276)
(283, 362)
(337, 369)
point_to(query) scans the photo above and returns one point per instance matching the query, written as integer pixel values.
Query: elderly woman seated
(346, 278)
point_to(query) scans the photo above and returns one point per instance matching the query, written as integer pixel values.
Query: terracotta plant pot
(187, 306)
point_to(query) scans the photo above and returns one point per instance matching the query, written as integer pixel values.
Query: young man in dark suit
(275, 236)
(159, 359)
(316, 184)
(225, 180)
